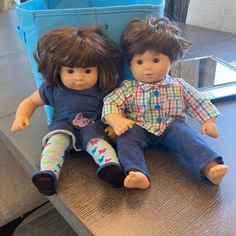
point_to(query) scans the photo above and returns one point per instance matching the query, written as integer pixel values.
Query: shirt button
(159, 120)
(156, 93)
(158, 107)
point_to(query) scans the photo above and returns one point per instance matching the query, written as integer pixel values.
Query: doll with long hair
(155, 105)
(79, 67)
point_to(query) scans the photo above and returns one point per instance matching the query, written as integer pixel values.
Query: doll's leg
(130, 147)
(180, 138)
(52, 159)
(105, 156)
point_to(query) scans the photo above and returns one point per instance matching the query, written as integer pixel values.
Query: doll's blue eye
(139, 62)
(70, 71)
(156, 60)
(87, 71)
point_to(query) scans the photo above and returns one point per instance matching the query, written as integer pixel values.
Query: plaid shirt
(155, 106)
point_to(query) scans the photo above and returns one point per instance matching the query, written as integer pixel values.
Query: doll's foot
(216, 173)
(136, 179)
(112, 174)
(45, 181)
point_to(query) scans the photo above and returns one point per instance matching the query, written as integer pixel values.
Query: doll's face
(79, 78)
(150, 67)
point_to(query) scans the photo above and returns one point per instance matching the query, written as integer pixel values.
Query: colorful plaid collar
(163, 83)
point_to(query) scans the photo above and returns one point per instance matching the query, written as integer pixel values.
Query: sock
(105, 156)
(52, 157)
(101, 151)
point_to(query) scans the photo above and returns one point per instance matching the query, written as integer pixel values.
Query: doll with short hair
(156, 105)
(79, 67)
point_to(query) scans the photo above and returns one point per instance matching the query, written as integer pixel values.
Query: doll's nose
(78, 76)
(147, 71)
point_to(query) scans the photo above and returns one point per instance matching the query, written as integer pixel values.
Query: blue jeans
(178, 137)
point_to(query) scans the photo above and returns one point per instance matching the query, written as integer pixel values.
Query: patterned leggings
(52, 157)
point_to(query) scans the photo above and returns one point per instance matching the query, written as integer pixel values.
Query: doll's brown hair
(78, 47)
(158, 34)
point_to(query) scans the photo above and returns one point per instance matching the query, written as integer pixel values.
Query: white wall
(213, 14)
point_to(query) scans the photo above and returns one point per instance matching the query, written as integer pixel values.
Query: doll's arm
(209, 127)
(25, 111)
(119, 123)
(197, 106)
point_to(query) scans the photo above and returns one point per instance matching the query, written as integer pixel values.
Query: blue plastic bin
(39, 16)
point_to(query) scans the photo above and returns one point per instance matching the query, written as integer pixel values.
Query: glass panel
(214, 77)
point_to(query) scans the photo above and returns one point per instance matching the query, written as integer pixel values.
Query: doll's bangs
(161, 43)
(81, 57)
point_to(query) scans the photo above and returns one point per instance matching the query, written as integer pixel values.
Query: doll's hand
(210, 128)
(119, 123)
(20, 123)
(110, 133)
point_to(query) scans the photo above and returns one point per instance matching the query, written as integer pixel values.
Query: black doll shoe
(45, 181)
(112, 174)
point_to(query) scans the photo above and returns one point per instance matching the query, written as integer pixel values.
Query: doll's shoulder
(47, 90)
(45, 86)
(128, 85)
(125, 88)
(175, 81)
(181, 83)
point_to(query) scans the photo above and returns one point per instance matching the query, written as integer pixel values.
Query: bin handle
(20, 33)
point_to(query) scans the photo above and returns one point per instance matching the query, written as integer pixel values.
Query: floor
(46, 221)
